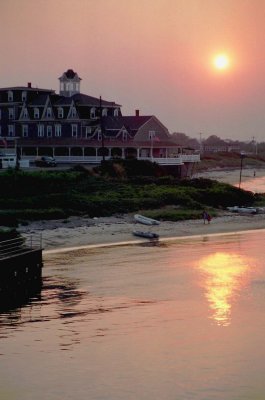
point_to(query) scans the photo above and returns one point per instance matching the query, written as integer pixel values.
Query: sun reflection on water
(223, 276)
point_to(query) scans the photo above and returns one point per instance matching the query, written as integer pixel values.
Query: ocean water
(253, 180)
(173, 321)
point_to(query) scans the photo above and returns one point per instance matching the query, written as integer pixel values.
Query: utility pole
(255, 144)
(242, 155)
(201, 146)
(102, 130)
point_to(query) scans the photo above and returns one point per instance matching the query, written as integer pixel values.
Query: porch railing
(178, 160)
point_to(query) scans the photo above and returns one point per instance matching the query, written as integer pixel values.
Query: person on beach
(206, 217)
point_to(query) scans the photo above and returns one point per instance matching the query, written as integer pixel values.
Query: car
(45, 161)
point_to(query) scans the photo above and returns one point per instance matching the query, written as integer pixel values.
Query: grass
(57, 195)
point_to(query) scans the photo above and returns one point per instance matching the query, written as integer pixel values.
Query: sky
(151, 55)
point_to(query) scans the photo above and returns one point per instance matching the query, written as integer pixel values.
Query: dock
(20, 269)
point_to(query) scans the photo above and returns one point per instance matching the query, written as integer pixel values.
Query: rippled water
(183, 320)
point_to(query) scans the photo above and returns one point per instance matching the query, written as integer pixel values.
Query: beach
(118, 229)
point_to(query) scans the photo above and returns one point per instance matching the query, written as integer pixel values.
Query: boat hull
(146, 235)
(145, 220)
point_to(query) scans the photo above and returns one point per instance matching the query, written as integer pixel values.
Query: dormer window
(25, 113)
(93, 113)
(24, 96)
(116, 112)
(60, 112)
(36, 113)
(124, 135)
(49, 112)
(99, 135)
(104, 112)
(73, 113)
(10, 95)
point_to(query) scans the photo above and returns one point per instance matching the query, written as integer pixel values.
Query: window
(36, 113)
(93, 113)
(99, 135)
(40, 130)
(49, 112)
(124, 135)
(73, 113)
(25, 130)
(11, 113)
(104, 112)
(58, 130)
(11, 130)
(25, 113)
(24, 96)
(49, 131)
(60, 112)
(152, 135)
(74, 130)
(116, 112)
(10, 95)
(88, 131)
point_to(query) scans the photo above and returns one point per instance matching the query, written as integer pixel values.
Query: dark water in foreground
(184, 320)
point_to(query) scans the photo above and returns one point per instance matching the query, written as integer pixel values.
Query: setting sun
(221, 62)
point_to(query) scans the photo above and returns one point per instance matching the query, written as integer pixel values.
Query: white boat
(243, 210)
(145, 220)
(147, 235)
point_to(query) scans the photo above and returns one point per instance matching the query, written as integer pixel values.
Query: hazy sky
(151, 55)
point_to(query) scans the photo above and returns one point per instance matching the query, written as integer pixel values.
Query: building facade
(75, 127)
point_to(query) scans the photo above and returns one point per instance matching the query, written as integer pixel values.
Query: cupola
(69, 83)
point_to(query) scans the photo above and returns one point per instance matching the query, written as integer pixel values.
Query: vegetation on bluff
(116, 187)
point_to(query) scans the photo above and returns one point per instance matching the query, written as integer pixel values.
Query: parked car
(45, 161)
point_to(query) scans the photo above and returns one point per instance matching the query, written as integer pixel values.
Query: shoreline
(108, 231)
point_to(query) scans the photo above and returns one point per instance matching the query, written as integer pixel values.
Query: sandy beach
(76, 231)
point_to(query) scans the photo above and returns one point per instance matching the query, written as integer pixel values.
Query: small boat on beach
(243, 210)
(145, 220)
(147, 235)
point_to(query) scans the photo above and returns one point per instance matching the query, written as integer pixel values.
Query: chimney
(29, 84)
(137, 113)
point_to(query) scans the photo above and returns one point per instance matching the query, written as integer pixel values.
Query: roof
(84, 99)
(39, 100)
(70, 74)
(130, 123)
(26, 88)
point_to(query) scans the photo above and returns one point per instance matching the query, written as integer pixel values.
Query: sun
(221, 62)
